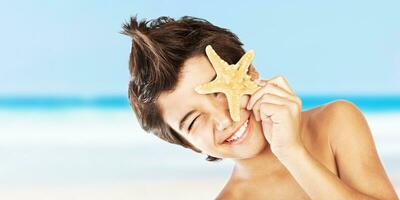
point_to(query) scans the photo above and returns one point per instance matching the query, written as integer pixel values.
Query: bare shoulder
(326, 112)
(335, 108)
(336, 118)
(353, 147)
(327, 117)
(324, 124)
(318, 127)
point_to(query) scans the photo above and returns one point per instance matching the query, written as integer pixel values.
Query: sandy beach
(103, 154)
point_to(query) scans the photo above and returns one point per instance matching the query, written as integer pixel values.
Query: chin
(254, 149)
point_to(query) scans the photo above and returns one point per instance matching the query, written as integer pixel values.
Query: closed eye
(190, 126)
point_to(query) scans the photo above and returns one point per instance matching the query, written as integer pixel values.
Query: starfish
(232, 80)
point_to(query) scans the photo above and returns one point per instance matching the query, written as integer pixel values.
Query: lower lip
(241, 139)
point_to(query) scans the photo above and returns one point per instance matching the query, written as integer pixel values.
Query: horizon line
(365, 102)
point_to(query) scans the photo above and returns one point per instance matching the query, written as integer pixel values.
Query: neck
(265, 164)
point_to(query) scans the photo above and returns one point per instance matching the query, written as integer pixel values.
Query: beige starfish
(232, 80)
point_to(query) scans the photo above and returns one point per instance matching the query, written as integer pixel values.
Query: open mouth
(240, 134)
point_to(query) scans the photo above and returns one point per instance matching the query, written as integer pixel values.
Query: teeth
(238, 133)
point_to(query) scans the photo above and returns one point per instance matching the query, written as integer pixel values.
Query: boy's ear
(253, 73)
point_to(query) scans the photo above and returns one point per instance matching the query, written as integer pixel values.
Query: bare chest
(282, 189)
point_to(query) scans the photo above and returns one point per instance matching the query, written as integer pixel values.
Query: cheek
(204, 138)
(256, 126)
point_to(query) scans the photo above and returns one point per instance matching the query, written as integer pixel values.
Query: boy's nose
(222, 123)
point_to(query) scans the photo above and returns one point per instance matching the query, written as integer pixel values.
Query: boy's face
(209, 124)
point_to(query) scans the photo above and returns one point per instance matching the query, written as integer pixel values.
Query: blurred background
(66, 129)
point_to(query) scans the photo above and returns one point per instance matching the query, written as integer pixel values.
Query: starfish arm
(234, 106)
(216, 61)
(245, 61)
(207, 88)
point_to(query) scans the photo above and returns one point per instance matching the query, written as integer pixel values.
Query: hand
(279, 110)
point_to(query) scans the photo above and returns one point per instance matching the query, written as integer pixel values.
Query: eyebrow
(190, 112)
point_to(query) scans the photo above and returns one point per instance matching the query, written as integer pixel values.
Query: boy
(280, 151)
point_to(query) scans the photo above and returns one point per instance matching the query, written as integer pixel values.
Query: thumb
(261, 82)
(244, 100)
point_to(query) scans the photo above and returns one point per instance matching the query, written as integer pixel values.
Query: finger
(277, 100)
(261, 82)
(282, 82)
(273, 112)
(267, 129)
(267, 98)
(271, 89)
(244, 101)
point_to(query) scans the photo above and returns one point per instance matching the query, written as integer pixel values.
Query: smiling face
(204, 120)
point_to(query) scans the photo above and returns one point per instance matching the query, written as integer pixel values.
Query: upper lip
(234, 131)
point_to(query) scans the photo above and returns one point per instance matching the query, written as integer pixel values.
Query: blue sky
(74, 47)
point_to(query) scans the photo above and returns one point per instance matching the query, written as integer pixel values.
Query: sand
(97, 154)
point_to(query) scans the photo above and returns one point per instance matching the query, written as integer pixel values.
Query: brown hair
(159, 49)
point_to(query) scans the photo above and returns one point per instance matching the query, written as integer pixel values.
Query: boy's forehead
(194, 72)
(193, 65)
(174, 104)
